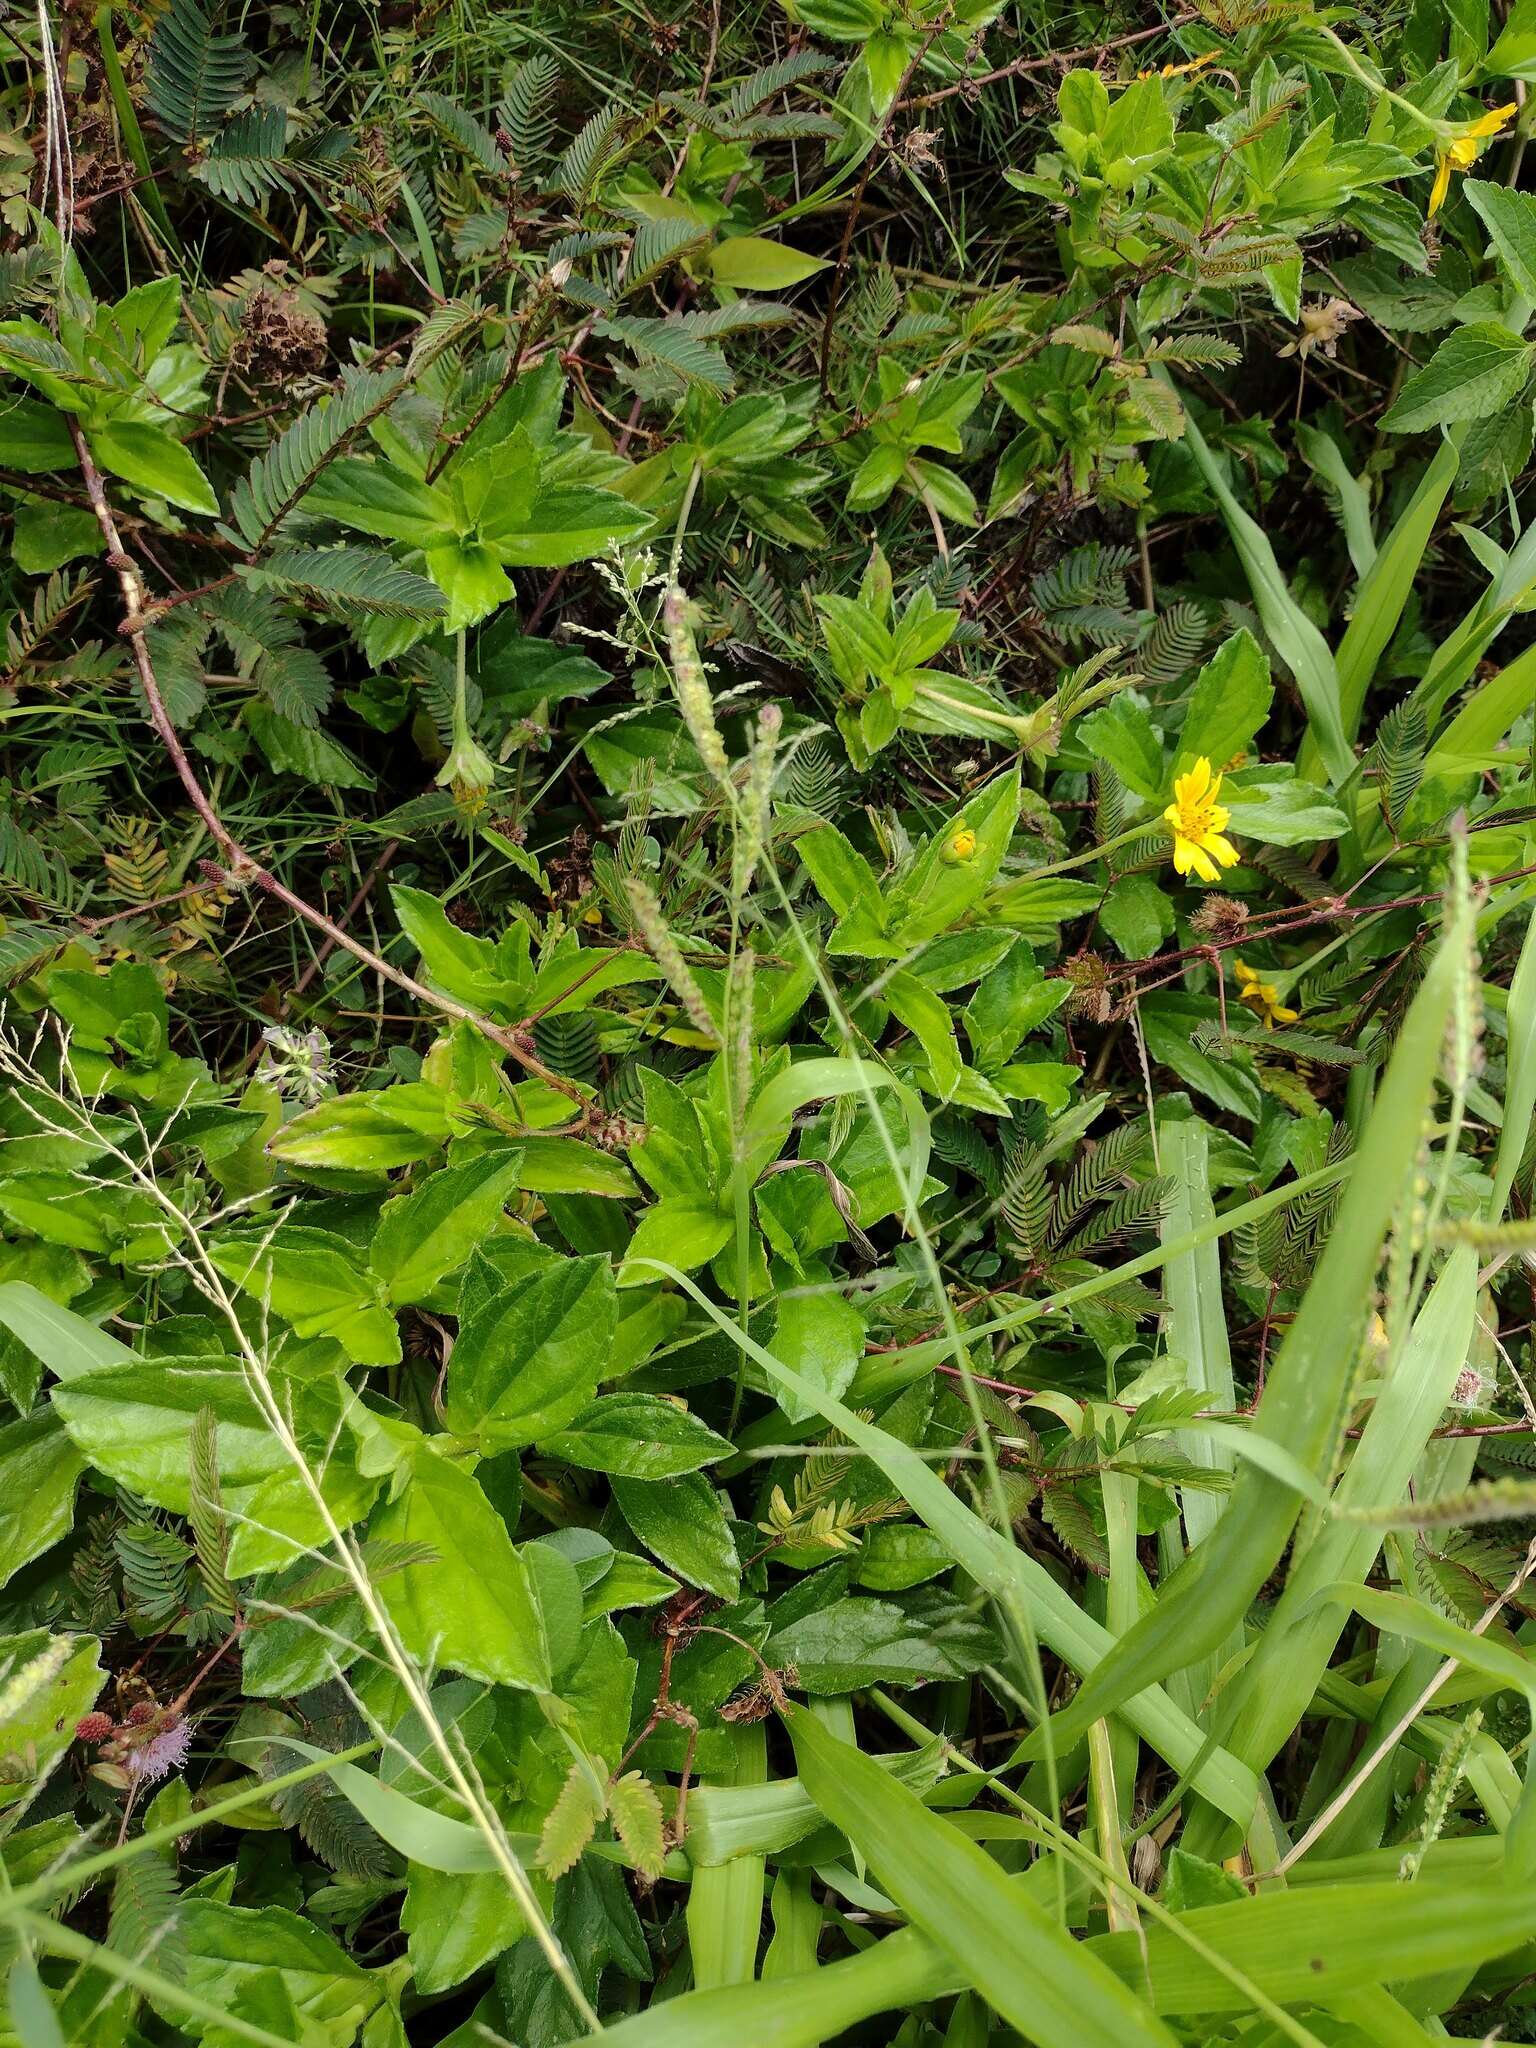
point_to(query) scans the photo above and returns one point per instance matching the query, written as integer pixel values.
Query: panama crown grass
(767, 1027)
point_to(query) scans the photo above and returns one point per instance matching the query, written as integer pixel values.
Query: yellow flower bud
(960, 845)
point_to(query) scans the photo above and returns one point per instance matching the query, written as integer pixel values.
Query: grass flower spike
(1198, 822)
(1262, 997)
(1460, 150)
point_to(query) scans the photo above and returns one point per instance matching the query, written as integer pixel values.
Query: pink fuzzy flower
(164, 1752)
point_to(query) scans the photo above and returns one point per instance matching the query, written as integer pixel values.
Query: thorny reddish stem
(179, 1704)
(360, 897)
(1093, 52)
(88, 925)
(674, 1626)
(1331, 909)
(243, 869)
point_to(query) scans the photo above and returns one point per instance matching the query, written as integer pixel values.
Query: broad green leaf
(301, 750)
(1470, 375)
(472, 1609)
(368, 1132)
(564, 1166)
(431, 1232)
(132, 1421)
(1514, 53)
(820, 1337)
(942, 884)
(683, 1523)
(855, 1643)
(1510, 218)
(1228, 705)
(471, 578)
(1015, 1953)
(1122, 734)
(39, 1470)
(528, 1360)
(378, 499)
(674, 1157)
(571, 524)
(149, 459)
(457, 1924)
(114, 1222)
(317, 1281)
(682, 1231)
(753, 263)
(47, 1681)
(927, 1016)
(1282, 812)
(638, 1436)
(227, 1946)
(1138, 915)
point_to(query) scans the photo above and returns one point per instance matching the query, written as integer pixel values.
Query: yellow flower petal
(1223, 849)
(1495, 119)
(1202, 863)
(1441, 186)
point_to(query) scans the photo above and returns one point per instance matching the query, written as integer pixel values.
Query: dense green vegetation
(768, 818)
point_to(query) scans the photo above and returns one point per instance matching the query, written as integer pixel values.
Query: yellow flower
(1459, 152)
(1197, 822)
(1262, 997)
(961, 844)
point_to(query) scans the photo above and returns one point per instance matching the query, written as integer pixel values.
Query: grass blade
(1301, 1403)
(1297, 641)
(1015, 1954)
(1385, 589)
(1271, 1694)
(1197, 1335)
(725, 1900)
(1310, 1944)
(1008, 1574)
